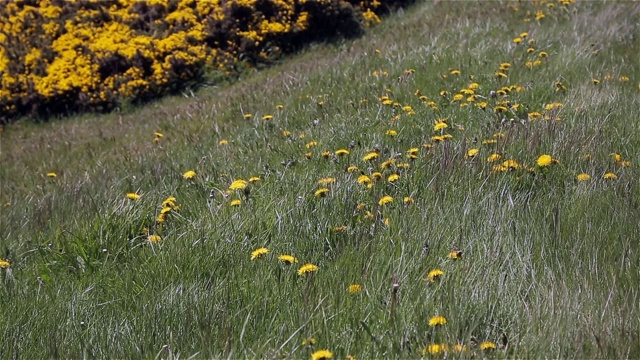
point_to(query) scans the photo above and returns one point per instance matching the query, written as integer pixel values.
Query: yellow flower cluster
(92, 55)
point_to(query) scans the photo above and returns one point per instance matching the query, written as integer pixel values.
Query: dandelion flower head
(307, 268)
(321, 192)
(287, 259)
(434, 349)
(544, 160)
(437, 321)
(238, 185)
(487, 346)
(583, 177)
(257, 253)
(189, 174)
(133, 196)
(434, 275)
(322, 355)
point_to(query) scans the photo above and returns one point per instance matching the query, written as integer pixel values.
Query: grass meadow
(462, 181)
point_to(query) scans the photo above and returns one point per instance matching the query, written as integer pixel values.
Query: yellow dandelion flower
(494, 157)
(322, 355)
(434, 275)
(286, 133)
(154, 238)
(455, 254)
(308, 155)
(170, 201)
(393, 178)
(326, 181)
(342, 152)
(500, 74)
(544, 160)
(543, 54)
(595, 81)
(391, 133)
(338, 229)
(354, 288)
(440, 125)
(189, 175)
(583, 177)
(162, 217)
(238, 185)
(165, 209)
(257, 253)
(385, 200)
(624, 78)
(158, 134)
(352, 168)
(437, 321)
(52, 175)
(616, 157)
(505, 66)
(371, 156)
(267, 117)
(407, 200)
(223, 142)
(326, 154)
(488, 346)
(472, 153)
(321, 192)
(610, 176)
(311, 144)
(387, 163)
(287, 259)
(254, 179)
(236, 202)
(309, 342)
(459, 348)
(307, 268)
(279, 106)
(517, 40)
(247, 116)
(4, 264)
(511, 164)
(534, 115)
(454, 71)
(434, 349)
(133, 196)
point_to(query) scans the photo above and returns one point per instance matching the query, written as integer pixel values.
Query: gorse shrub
(58, 57)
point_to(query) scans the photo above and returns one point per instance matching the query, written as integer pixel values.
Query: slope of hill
(461, 181)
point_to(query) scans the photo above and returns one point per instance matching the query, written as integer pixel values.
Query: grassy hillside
(461, 181)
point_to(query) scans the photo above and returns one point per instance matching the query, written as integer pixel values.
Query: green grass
(549, 262)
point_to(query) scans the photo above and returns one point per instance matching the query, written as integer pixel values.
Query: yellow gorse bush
(68, 56)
